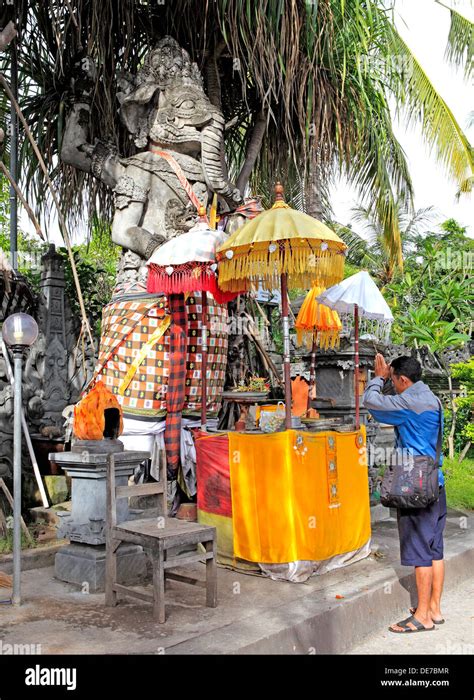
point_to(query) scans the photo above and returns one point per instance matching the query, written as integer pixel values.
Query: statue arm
(97, 159)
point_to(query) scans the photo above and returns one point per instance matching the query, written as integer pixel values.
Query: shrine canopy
(187, 263)
(281, 246)
(278, 241)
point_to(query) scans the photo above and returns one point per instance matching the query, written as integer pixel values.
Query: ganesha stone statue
(181, 164)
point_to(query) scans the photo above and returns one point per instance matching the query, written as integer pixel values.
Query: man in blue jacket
(416, 414)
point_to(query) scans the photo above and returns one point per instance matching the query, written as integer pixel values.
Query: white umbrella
(361, 290)
(359, 295)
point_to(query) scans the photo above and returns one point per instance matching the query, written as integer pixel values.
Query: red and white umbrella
(187, 263)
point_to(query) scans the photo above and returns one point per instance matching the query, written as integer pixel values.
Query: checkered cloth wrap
(176, 393)
(128, 324)
(250, 208)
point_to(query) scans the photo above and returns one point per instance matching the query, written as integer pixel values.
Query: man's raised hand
(381, 367)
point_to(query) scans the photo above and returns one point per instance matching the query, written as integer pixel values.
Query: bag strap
(439, 441)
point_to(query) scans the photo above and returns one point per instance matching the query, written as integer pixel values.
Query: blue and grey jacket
(415, 413)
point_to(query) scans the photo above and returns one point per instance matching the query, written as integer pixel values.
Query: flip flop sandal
(435, 622)
(404, 623)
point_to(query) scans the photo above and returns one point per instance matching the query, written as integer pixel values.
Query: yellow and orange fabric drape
(298, 496)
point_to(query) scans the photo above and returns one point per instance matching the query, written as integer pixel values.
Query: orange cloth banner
(298, 495)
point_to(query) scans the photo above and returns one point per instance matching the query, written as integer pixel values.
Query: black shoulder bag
(411, 481)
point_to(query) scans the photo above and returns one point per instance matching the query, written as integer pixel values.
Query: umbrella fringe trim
(324, 339)
(367, 326)
(302, 265)
(188, 279)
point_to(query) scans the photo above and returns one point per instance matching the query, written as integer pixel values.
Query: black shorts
(421, 532)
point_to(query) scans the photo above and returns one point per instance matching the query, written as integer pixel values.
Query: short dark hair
(408, 367)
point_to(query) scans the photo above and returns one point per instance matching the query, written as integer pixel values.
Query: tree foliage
(96, 262)
(318, 75)
(433, 299)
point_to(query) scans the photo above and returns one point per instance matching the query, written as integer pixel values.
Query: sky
(424, 25)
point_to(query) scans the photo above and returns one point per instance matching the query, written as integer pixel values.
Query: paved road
(456, 636)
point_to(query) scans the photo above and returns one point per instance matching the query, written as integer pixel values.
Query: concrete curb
(32, 558)
(326, 625)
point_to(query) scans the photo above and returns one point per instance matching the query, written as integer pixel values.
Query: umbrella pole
(204, 362)
(312, 370)
(356, 365)
(286, 349)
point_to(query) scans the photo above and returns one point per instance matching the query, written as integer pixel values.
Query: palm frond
(423, 105)
(320, 71)
(460, 46)
(421, 218)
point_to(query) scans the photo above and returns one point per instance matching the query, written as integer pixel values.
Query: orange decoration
(89, 418)
(299, 392)
(317, 323)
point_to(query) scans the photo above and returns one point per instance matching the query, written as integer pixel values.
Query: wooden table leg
(211, 574)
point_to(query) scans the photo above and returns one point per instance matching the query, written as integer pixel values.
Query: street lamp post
(19, 332)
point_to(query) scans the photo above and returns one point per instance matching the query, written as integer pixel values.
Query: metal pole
(286, 349)
(356, 365)
(312, 369)
(204, 362)
(24, 424)
(13, 157)
(17, 407)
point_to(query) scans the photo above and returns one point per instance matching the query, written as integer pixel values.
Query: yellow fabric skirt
(298, 495)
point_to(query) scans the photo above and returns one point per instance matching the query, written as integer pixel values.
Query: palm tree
(375, 245)
(304, 87)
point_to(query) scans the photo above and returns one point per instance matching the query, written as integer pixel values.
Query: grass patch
(459, 482)
(6, 543)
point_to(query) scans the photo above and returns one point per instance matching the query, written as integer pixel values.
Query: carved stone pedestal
(335, 395)
(84, 565)
(83, 560)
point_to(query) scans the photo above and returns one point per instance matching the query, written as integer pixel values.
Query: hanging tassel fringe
(377, 330)
(188, 278)
(303, 264)
(324, 339)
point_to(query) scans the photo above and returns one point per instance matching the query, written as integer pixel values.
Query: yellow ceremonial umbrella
(281, 247)
(316, 324)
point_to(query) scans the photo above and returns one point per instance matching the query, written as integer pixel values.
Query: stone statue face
(167, 105)
(181, 114)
